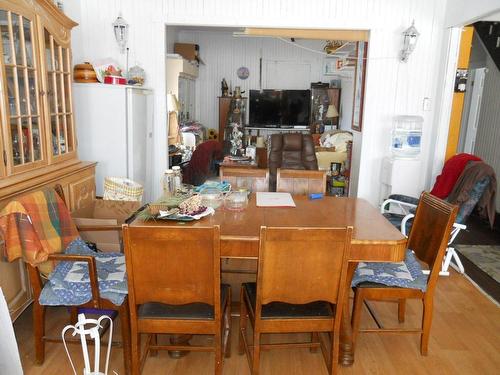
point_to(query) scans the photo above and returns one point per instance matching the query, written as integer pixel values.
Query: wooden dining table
(374, 238)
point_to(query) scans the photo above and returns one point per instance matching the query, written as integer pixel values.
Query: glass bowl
(236, 200)
(211, 197)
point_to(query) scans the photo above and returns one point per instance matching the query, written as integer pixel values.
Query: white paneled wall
(94, 39)
(488, 130)
(223, 54)
(392, 88)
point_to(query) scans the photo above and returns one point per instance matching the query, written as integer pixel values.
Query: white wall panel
(392, 88)
(284, 66)
(488, 130)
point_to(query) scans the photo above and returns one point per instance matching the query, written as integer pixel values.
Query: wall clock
(243, 72)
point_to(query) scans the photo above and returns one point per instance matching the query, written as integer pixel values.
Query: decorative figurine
(224, 87)
(236, 139)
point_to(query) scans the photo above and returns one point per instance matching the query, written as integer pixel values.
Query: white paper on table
(274, 200)
(10, 362)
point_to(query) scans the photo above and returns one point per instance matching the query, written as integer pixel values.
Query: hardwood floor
(465, 339)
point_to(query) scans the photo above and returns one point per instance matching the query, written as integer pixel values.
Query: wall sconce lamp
(120, 26)
(410, 36)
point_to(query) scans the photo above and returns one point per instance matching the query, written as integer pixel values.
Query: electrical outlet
(426, 104)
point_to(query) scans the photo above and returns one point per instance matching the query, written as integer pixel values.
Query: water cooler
(401, 172)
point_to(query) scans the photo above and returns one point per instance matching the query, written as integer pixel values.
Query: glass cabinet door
(22, 117)
(60, 114)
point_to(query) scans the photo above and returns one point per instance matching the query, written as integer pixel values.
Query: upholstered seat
(428, 238)
(188, 311)
(290, 151)
(297, 289)
(287, 310)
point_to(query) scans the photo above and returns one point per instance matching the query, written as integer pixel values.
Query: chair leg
(135, 344)
(243, 324)
(314, 338)
(39, 331)
(401, 310)
(73, 317)
(124, 312)
(356, 313)
(227, 328)
(218, 352)
(256, 352)
(154, 341)
(334, 362)
(426, 327)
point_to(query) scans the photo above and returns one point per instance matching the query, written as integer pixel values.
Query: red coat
(450, 173)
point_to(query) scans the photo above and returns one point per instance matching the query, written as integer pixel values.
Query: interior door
(478, 76)
(137, 135)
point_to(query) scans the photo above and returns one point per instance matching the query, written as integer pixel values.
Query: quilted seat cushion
(406, 274)
(156, 310)
(281, 310)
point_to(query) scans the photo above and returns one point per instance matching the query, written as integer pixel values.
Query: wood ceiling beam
(346, 35)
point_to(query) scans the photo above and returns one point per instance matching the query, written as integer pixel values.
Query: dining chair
(428, 240)
(174, 288)
(50, 203)
(301, 286)
(301, 182)
(253, 179)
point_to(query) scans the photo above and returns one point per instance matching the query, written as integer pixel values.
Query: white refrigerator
(115, 128)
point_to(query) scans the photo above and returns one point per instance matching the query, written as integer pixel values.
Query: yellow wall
(458, 97)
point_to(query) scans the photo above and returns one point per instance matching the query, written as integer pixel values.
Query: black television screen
(296, 104)
(265, 108)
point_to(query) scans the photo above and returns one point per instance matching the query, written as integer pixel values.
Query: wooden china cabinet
(37, 135)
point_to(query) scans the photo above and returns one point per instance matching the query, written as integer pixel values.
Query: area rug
(482, 265)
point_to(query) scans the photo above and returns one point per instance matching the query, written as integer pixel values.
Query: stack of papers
(274, 200)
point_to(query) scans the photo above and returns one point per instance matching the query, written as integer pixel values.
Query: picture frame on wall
(359, 85)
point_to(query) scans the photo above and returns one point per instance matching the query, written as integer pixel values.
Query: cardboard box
(188, 51)
(103, 213)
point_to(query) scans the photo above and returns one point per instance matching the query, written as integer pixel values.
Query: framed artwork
(359, 85)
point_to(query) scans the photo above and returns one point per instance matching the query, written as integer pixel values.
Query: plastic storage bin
(406, 136)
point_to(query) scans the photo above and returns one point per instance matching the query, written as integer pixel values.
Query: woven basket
(122, 189)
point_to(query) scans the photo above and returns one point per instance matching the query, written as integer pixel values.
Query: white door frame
(472, 121)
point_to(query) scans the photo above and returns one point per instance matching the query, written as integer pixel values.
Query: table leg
(346, 357)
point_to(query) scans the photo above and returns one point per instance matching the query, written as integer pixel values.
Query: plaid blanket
(36, 225)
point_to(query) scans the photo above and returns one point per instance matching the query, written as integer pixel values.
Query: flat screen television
(279, 108)
(296, 104)
(265, 108)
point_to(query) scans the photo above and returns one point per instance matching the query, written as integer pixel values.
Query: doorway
(281, 59)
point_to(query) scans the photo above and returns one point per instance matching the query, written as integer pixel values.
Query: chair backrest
(300, 182)
(431, 230)
(302, 265)
(290, 151)
(202, 162)
(253, 179)
(172, 265)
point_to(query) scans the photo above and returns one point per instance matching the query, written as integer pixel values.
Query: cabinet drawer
(82, 192)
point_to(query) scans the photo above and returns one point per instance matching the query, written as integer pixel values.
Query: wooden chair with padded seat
(174, 288)
(428, 239)
(253, 179)
(301, 285)
(97, 302)
(300, 182)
